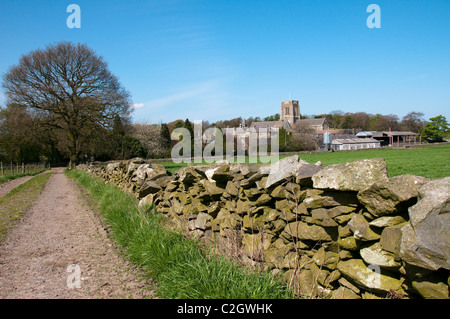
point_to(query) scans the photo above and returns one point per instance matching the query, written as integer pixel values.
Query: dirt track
(60, 230)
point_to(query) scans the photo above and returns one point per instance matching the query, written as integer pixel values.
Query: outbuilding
(347, 144)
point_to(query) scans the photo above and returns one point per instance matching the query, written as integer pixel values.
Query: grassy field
(14, 204)
(181, 268)
(429, 161)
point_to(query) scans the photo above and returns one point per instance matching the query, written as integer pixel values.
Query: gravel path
(58, 231)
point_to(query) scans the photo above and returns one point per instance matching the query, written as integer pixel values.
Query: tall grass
(181, 268)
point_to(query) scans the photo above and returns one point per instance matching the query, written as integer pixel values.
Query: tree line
(413, 121)
(64, 105)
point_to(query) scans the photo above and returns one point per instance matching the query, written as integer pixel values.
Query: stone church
(289, 117)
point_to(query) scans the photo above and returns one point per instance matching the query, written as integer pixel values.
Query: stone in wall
(426, 238)
(283, 169)
(357, 271)
(351, 176)
(393, 195)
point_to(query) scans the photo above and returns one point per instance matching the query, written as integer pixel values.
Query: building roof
(399, 133)
(364, 134)
(313, 122)
(393, 133)
(270, 124)
(354, 141)
(265, 124)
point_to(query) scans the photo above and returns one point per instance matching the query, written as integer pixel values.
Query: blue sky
(220, 59)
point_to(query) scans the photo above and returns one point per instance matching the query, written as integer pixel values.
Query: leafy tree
(70, 87)
(235, 122)
(164, 137)
(373, 121)
(187, 125)
(133, 148)
(282, 139)
(346, 122)
(118, 135)
(118, 128)
(435, 130)
(275, 117)
(178, 124)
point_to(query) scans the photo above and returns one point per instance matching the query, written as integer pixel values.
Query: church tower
(290, 111)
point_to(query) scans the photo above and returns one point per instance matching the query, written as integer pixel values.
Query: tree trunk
(73, 150)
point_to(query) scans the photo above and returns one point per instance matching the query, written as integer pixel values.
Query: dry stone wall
(341, 231)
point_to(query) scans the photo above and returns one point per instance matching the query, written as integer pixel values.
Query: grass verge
(181, 268)
(16, 202)
(10, 177)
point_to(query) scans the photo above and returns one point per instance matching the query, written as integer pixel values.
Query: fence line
(20, 168)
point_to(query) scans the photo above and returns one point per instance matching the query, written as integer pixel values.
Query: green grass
(10, 177)
(171, 166)
(428, 161)
(181, 268)
(16, 202)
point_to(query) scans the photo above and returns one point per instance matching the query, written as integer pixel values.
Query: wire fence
(20, 168)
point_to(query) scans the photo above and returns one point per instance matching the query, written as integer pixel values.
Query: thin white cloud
(200, 91)
(176, 97)
(201, 100)
(138, 105)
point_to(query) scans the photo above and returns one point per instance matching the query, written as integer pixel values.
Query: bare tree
(361, 120)
(149, 136)
(303, 137)
(414, 122)
(18, 140)
(71, 87)
(387, 122)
